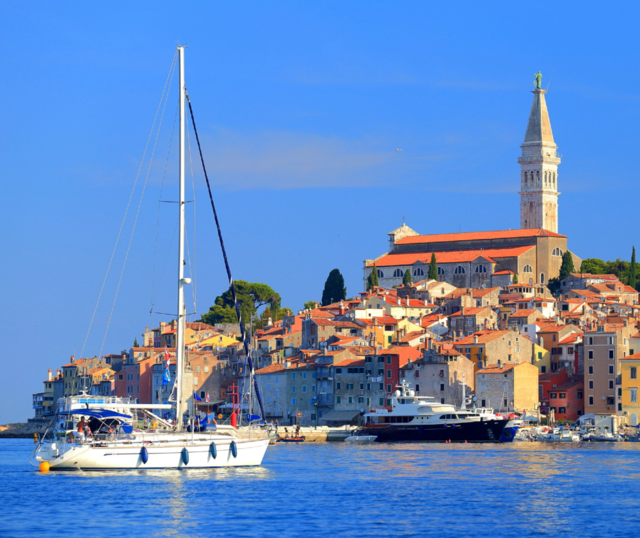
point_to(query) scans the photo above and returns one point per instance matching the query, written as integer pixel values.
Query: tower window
(380, 274)
(441, 271)
(557, 252)
(459, 270)
(481, 269)
(527, 269)
(541, 278)
(418, 272)
(398, 273)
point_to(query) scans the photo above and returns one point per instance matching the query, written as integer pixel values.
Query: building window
(398, 273)
(590, 400)
(388, 388)
(591, 384)
(579, 395)
(293, 374)
(591, 369)
(556, 252)
(633, 395)
(293, 388)
(481, 269)
(380, 274)
(562, 410)
(611, 387)
(591, 354)
(611, 369)
(418, 272)
(304, 388)
(459, 270)
(633, 373)
(338, 385)
(527, 269)
(611, 354)
(441, 387)
(541, 278)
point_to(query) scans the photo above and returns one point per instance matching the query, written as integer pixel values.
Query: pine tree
(334, 289)
(135, 342)
(372, 279)
(433, 268)
(406, 279)
(567, 265)
(632, 269)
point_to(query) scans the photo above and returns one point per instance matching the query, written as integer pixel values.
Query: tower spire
(539, 167)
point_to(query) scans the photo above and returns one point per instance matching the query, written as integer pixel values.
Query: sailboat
(112, 441)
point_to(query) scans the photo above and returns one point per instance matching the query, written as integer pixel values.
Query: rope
(245, 341)
(135, 221)
(126, 212)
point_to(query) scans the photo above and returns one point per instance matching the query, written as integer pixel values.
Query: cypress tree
(433, 268)
(334, 289)
(515, 278)
(135, 342)
(372, 279)
(632, 269)
(567, 265)
(406, 279)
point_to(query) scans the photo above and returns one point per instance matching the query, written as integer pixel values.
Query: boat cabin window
(448, 417)
(397, 420)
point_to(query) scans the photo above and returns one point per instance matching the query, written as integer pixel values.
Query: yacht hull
(117, 456)
(488, 431)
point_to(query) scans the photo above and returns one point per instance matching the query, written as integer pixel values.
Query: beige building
(490, 347)
(508, 388)
(603, 349)
(440, 374)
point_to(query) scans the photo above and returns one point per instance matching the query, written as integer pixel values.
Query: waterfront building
(604, 346)
(272, 381)
(629, 368)
(440, 374)
(508, 387)
(301, 391)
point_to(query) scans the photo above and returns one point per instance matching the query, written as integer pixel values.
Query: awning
(340, 416)
(96, 413)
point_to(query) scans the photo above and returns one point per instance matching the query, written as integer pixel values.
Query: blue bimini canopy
(97, 413)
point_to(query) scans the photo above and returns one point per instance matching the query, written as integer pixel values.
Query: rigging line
(166, 259)
(194, 266)
(247, 353)
(126, 212)
(155, 248)
(135, 220)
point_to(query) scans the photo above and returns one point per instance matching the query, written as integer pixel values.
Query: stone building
(440, 374)
(488, 259)
(509, 387)
(489, 347)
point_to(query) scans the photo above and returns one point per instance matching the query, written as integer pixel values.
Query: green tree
(593, 266)
(251, 297)
(406, 279)
(567, 265)
(309, 305)
(632, 269)
(334, 289)
(515, 278)
(135, 342)
(433, 268)
(372, 279)
(553, 285)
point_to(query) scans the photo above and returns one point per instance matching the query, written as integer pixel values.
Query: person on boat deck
(211, 419)
(82, 425)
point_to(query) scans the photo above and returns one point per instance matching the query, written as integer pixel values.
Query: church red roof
(476, 236)
(455, 256)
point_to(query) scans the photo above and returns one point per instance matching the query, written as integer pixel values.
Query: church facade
(487, 259)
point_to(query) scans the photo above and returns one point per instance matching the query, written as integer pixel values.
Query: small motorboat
(360, 438)
(290, 439)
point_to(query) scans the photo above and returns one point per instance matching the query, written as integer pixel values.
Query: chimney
(49, 375)
(58, 371)
(269, 322)
(475, 338)
(499, 363)
(73, 359)
(146, 329)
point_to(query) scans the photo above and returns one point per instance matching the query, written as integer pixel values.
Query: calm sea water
(521, 489)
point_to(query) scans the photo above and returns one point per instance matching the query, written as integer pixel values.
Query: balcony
(324, 400)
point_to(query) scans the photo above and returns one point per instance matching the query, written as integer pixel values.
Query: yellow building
(541, 359)
(630, 407)
(218, 340)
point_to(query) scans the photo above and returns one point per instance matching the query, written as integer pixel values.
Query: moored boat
(421, 419)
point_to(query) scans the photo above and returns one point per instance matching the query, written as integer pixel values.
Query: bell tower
(539, 168)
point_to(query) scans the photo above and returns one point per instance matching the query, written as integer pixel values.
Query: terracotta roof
(329, 323)
(634, 357)
(350, 362)
(572, 339)
(590, 276)
(480, 292)
(483, 337)
(505, 272)
(553, 328)
(524, 313)
(476, 236)
(473, 311)
(454, 256)
(495, 369)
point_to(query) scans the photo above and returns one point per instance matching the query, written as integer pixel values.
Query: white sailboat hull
(162, 455)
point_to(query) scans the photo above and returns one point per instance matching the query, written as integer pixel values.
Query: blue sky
(300, 107)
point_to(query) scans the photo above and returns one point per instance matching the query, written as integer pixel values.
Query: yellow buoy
(44, 467)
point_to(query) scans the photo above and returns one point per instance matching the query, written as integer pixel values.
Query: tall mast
(181, 280)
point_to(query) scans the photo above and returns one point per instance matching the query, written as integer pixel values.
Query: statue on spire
(537, 82)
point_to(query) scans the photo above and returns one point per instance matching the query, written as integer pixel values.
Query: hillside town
(445, 313)
(515, 347)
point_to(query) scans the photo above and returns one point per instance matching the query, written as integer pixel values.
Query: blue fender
(234, 449)
(213, 450)
(144, 454)
(184, 455)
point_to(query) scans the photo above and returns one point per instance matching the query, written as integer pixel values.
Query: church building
(488, 259)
